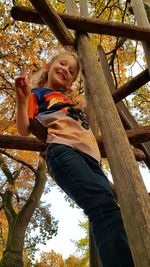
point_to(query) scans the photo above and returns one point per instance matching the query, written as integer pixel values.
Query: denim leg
(81, 177)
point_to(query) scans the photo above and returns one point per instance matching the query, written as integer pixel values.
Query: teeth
(61, 75)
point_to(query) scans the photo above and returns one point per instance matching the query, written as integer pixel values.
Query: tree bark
(13, 254)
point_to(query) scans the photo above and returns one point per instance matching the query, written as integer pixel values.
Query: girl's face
(62, 72)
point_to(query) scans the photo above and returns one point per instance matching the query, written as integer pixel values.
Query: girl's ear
(47, 67)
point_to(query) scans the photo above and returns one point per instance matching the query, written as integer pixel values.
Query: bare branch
(18, 160)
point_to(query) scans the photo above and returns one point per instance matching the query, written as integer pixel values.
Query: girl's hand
(23, 85)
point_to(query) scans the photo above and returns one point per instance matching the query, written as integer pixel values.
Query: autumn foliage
(31, 45)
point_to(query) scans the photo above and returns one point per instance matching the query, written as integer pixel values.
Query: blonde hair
(40, 77)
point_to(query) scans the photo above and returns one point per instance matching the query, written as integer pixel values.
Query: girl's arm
(22, 120)
(23, 90)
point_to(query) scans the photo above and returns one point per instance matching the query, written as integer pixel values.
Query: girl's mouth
(61, 75)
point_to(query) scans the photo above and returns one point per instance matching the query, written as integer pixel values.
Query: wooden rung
(127, 118)
(33, 144)
(136, 136)
(131, 86)
(83, 24)
(21, 143)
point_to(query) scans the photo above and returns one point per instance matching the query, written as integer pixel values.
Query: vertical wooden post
(94, 260)
(83, 8)
(131, 192)
(90, 108)
(71, 7)
(142, 20)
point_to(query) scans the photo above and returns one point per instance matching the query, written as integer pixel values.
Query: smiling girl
(72, 153)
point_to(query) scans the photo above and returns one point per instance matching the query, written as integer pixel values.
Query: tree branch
(6, 171)
(35, 196)
(18, 160)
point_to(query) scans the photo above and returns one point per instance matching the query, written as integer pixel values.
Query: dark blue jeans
(81, 178)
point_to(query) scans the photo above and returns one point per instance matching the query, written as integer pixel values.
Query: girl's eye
(62, 63)
(71, 72)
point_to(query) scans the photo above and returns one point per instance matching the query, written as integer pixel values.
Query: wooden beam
(128, 120)
(21, 143)
(141, 236)
(94, 259)
(142, 21)
(83, 8)
(138, 135)
(135, 136)
(131, 191)
(131, 86)
(147, 2)
(34, 144)
(83, 24)
(52, 19)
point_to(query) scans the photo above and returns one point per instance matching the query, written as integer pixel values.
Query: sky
(68, 227)
(69, 218)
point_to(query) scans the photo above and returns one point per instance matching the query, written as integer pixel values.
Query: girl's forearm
(22, 120)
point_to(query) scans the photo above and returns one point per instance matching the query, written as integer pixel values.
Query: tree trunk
(11, 259)
(13, 254)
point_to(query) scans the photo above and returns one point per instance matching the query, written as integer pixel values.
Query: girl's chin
(60, 81)
(59, 86)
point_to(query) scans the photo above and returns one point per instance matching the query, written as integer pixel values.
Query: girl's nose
(66, 68)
